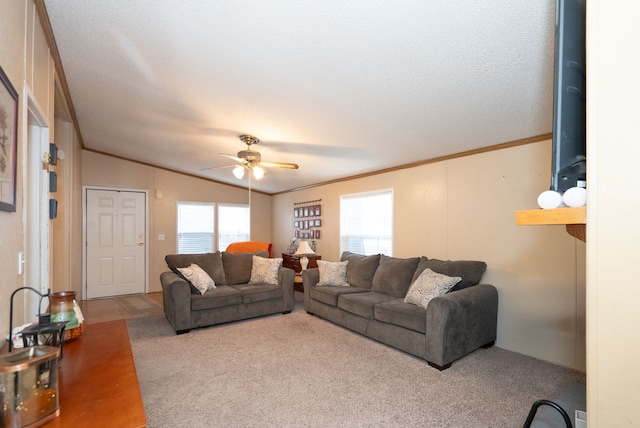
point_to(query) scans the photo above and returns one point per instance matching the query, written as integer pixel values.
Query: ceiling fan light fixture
(258, 172)
(238, 171)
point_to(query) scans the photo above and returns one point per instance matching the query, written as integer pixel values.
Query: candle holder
(43, 333)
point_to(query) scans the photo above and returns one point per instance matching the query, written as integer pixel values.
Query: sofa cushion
(237, 267)
(429, 285)
(330, 295)
(402, 314)
(210, 262)
(362, 304)
(361, 268)
(223, 295)
(252, 293)
(265, 271)
(394, 275)
(333, 274)
(470, 271)
(197, 278)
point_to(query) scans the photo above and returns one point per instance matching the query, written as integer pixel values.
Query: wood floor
(107, 309)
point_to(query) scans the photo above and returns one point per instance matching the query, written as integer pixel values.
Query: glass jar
(65, 308)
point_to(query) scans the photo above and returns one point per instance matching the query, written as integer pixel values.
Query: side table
(292, 261)
(297, 283)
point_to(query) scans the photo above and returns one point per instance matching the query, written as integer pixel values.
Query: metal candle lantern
(29, 386)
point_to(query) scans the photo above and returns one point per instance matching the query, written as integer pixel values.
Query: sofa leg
(489, 345)
(434, 365)
(183, 331)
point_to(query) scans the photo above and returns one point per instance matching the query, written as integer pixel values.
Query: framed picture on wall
(296, 212)
(317, 234)
(317, 210)
(8, 143)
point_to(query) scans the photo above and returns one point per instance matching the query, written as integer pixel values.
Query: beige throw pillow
(333, 274)
(265, 271)
(198, 278)
(429, 285)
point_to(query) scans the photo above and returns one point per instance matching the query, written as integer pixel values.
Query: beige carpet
(138, 304)
(298, 370)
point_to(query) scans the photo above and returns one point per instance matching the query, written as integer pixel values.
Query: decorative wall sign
(53, 154)
(306, 220)
(53, 181)
(53, 208)
(8, 143)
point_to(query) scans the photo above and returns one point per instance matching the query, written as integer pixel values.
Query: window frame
(217, 225)
(213, 224)
(380, 192)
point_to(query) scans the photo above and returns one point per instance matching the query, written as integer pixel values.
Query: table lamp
(303, 250)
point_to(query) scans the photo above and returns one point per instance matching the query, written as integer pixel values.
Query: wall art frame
(306, 219)
(8, 143)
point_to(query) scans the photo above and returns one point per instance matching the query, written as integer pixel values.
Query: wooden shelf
(575, 219)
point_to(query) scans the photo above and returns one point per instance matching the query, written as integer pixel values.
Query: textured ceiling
(341, 88)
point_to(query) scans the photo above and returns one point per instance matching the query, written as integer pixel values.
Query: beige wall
(464, 208)
(66, 258)
(12, 33)
(613, 234)
(109, 172)
(25, 58)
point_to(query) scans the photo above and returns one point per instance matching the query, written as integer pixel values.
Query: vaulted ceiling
(341, 88)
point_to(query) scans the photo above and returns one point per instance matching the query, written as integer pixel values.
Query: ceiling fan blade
(279, 165)
(235, 158)
(218, 167)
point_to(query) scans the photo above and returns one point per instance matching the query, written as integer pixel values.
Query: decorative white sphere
(575, 197)
(549, 200)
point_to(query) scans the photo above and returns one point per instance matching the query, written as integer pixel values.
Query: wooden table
(98, 384)
(292, 261)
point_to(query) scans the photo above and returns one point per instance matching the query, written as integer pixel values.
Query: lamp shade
(304, 248)
(258, 172)
(238, 172)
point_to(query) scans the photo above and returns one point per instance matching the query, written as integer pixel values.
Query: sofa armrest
(286, 277)
(176, 300)
(460, 322)
(310, 277)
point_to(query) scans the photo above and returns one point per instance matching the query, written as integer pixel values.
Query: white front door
(116, 242)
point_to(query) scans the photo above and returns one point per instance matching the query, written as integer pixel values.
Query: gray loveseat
(452, 325)
(233, 298)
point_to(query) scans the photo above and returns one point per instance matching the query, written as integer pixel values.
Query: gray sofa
(233, 298)
(452, 325)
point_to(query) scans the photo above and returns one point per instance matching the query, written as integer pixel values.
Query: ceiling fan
(251, 160)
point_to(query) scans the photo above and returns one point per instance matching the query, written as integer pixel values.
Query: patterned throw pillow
(429, 285)
(333, 274)
(198, 278)
(265, 271)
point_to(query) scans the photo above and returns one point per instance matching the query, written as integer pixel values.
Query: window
(366, 223)
(233, 224)
(195, 227)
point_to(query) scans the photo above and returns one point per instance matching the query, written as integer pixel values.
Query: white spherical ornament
(575, 197)
(549, 200)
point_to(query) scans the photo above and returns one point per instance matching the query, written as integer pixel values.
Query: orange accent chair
(250, 247)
